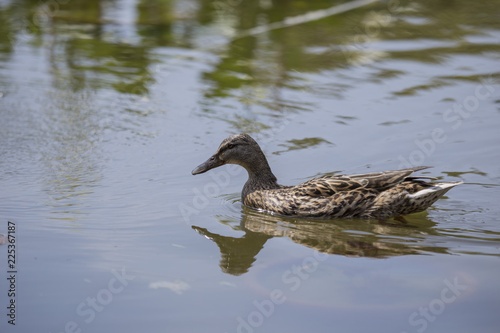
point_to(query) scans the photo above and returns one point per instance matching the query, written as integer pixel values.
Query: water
(107, 106)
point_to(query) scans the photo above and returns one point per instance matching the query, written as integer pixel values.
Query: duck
(378, 195)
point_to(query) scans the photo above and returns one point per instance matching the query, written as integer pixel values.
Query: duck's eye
(230, 146)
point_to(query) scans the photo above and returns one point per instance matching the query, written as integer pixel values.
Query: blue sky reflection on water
(106, 107)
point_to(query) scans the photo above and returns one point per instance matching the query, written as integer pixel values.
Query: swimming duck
(378, 195)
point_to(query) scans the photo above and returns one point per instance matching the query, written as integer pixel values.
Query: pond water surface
(107, 106)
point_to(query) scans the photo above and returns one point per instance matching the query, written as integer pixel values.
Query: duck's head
(237, 149)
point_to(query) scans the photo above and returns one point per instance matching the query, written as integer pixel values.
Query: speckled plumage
(373, 195)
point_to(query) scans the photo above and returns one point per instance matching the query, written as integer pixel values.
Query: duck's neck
(260, 177)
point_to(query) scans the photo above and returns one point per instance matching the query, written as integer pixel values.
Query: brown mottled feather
(372, 195)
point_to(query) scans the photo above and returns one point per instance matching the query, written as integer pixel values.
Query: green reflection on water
(97, 57)
(305, 143)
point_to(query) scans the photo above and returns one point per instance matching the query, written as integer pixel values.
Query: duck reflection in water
(347, 237)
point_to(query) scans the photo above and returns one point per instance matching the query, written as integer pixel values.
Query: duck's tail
(424, 198)
(410, 197)
(436, 190)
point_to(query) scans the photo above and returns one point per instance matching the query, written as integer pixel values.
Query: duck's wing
(329, 185)
(387, 179)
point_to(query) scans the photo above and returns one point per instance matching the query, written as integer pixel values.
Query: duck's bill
(209, 164)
